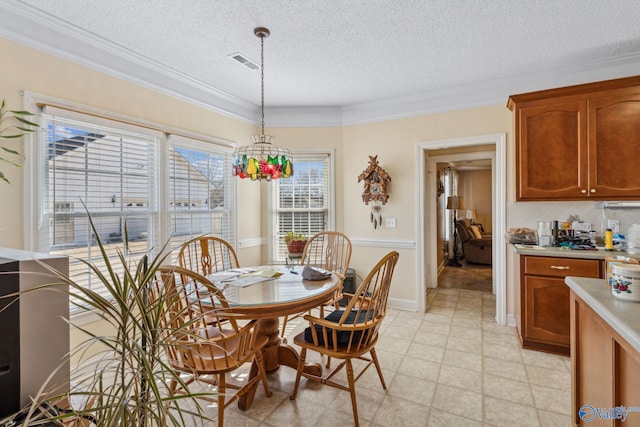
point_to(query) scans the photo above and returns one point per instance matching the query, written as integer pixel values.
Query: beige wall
(31, 70)
(27, 69)
(395, 143)
(475, 187)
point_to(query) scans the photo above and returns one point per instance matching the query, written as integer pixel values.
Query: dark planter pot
(296, 247)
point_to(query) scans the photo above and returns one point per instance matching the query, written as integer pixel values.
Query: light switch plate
(390, 222)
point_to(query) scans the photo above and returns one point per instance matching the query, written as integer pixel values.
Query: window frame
(230, 193)
(301, 155)
(34, 165)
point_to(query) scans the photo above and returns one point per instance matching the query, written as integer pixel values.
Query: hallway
(473, 277)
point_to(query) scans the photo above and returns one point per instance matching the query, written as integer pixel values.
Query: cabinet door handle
(593, 190)
(560, 267)
(583, 191)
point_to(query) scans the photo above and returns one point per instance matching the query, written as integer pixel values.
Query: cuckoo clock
(375, 189)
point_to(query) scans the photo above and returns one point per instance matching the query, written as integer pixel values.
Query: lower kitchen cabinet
(545, 319)
(605, 370)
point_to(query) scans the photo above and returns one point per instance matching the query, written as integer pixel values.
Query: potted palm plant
(13, 124)
(126, 383)
(295, 242)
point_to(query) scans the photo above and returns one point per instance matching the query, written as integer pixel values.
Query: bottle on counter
(608, 240)
(554, 233)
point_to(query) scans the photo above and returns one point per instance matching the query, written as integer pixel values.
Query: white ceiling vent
(244, 61)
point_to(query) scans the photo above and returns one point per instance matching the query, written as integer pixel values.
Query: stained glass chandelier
(262, 159)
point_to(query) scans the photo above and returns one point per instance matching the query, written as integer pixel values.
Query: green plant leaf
(13, 125)
(11, 162)
(21, 112)
(126, 379)
(9, 150)
(27, 122)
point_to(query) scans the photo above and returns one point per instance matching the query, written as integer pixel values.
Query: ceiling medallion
(262, 159)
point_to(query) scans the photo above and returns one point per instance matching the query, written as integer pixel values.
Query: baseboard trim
(403, 304)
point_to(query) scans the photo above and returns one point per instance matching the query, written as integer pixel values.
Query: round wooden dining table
(271, 299)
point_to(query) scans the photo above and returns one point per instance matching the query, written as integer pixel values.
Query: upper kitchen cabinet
(578, 142)
(614, 145)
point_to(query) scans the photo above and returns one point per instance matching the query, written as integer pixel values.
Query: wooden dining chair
(329, 250)
(207, 254)
(205, 352)
(350, 333)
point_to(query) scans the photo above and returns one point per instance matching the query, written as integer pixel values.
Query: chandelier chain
(262, 160)
(262, 80)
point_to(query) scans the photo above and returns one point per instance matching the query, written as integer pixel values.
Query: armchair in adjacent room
(476, 245)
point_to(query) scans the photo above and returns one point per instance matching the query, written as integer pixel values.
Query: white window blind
(112, 170)
(201, 191)
(303, 203)
(159, 186)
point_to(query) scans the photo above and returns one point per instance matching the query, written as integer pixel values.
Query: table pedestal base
(275, 353)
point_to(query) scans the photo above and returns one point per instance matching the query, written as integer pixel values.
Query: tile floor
(451, 366)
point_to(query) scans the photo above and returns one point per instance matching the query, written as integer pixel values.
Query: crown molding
(285, 117)
(25, 25)
(490, 92)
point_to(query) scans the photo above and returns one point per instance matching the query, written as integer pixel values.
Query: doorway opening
(464, 219)
(427, 219)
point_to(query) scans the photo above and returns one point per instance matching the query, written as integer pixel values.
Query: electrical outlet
(614, 225)
(390, 222)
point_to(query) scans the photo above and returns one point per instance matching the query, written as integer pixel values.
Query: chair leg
(352, 390)
(303, 356)
(222, 386)
(374, 357)
(263, 373)
(284, 326)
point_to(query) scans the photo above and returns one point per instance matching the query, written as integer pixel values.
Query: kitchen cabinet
(605, 368)
(578, 142)
(614, 146)
(551, 150)
(544, 298)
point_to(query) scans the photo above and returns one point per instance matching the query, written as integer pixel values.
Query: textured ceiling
(341, 53)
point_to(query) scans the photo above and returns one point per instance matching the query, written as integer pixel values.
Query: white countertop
(568, 253)
(623, 316)
(20, 255)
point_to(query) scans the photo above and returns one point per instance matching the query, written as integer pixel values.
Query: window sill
(84, 317)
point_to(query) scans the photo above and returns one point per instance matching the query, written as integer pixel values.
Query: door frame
(427, 231)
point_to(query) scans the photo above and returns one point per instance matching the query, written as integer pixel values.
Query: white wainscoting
(249, 243)
(384, 243)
